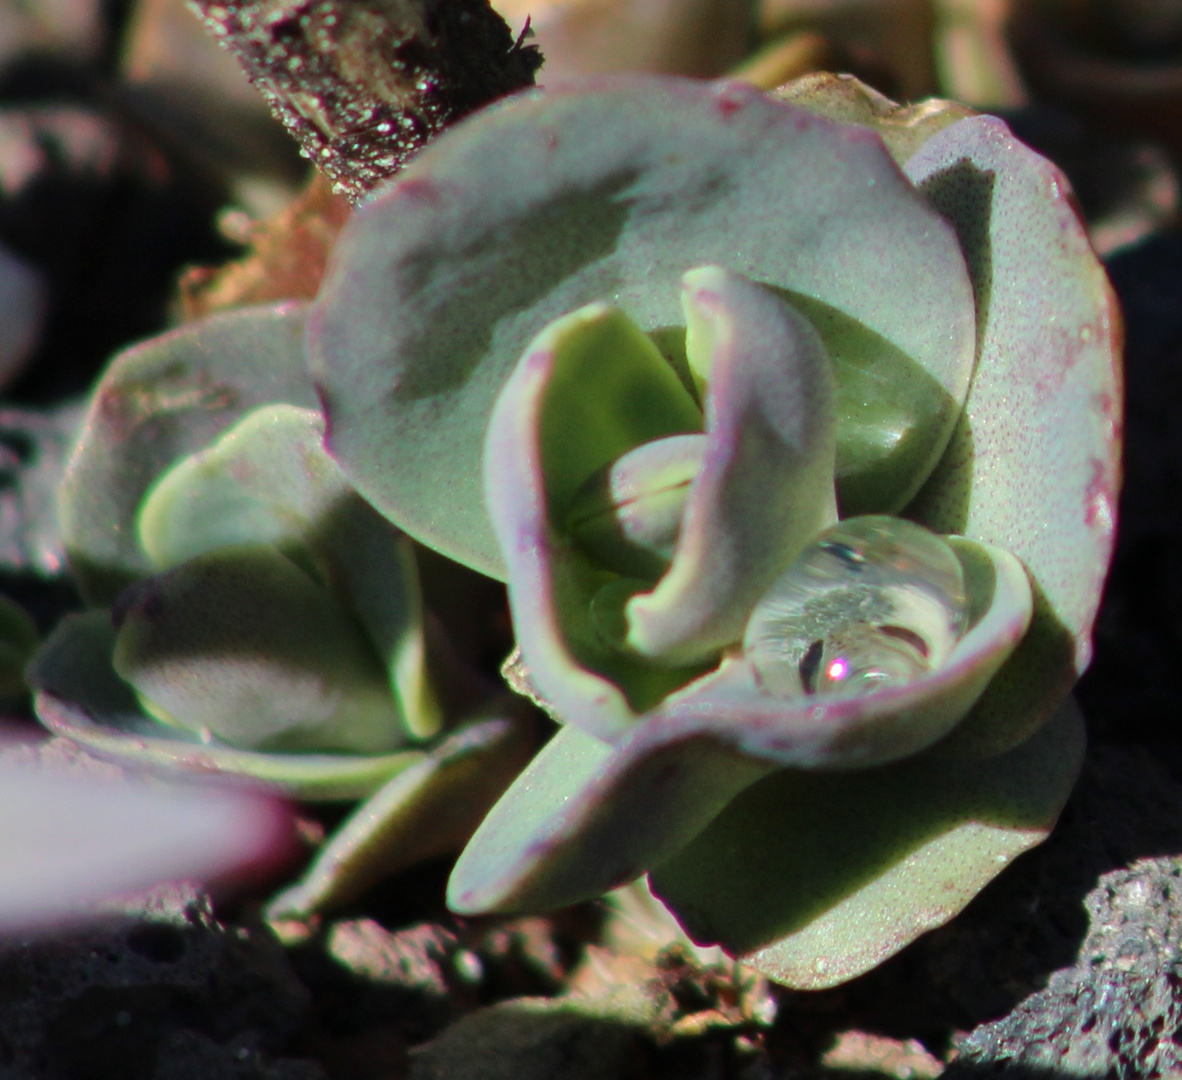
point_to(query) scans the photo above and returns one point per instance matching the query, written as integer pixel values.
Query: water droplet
(874, 602)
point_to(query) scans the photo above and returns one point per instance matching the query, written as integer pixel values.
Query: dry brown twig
(363, 84)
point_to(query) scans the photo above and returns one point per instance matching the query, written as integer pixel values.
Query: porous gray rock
(158, 987)
(1118, 1011)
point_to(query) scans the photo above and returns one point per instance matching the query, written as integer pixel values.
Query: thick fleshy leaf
(889, 724)
(243, 644)
(72, 841)
(585, 817)
(893, 417)
(765, 486)
(265, 480)
(606, 191)
(553, 584)
(157, 402)
(430, 809)
(1034, 464)
(78, 695)
(609, 391)
(268, 480)
(815, 877)
(627, 516)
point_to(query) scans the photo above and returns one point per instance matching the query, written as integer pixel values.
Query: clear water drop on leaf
(873, 602)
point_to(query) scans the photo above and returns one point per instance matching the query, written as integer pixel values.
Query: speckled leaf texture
(587, 816)
(849, 867)
(1034, 464)
(811, 838)
(607, 190)
(159, 401)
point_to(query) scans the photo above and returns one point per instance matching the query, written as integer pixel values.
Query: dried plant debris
(285, 258)
(363, 84)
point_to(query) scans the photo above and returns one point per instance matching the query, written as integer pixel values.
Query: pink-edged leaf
(765, 486)
(605, 191)
(1034, 464)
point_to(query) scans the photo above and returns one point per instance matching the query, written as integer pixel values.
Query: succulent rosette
(791, 423)
(253, 616)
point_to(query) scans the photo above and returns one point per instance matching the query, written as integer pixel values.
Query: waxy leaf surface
(815, 877)
(268, 480)
(159, 401)
(605, 192)
(78, 695)
(587, 816)
(1034, 463)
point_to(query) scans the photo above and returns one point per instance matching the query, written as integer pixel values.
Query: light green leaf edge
(157, 402)
(244, 644)
(765, 486)
(264, 480)
(267, 479)
(530, 478)
(78, 695)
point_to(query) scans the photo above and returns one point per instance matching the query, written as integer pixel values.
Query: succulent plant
(253, 615)
(792, 424)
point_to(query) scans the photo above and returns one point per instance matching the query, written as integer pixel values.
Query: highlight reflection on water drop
(874, 602)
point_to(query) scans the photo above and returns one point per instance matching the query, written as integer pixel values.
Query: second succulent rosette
(252, 616)
(791, 425)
